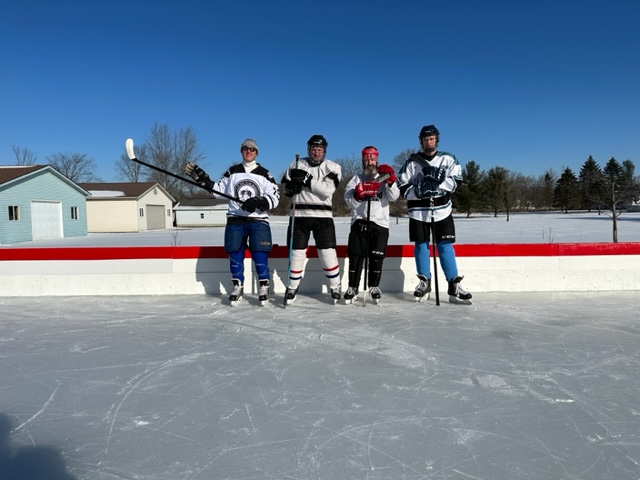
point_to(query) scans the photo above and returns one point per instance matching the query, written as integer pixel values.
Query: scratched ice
(532, 386)
(525, 386)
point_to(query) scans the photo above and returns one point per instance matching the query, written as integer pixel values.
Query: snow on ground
(521, 228)
(516, 386)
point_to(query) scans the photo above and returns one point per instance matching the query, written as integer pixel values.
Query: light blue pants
(445, 253)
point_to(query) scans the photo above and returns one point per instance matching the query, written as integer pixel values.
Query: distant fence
(178, 270)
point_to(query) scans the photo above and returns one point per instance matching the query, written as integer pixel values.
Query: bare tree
(131, 171)
(350, 166)
(24, 156)
(171, 151)
(400, 159)
(77, 167)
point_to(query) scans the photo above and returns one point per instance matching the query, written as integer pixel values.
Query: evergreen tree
(590, 181)
(469, 193)
(567, 192)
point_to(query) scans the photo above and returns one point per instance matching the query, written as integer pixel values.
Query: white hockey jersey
(379, 205)
(411, 171)
(315, 200)
(243, 183)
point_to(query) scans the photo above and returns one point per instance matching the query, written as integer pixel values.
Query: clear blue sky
(527, 86)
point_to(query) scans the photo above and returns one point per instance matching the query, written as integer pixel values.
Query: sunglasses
(249, 149)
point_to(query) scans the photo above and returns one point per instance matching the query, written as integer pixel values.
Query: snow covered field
(522, 228)
(516, 386)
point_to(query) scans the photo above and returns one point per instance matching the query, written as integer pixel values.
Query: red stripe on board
(281, 251)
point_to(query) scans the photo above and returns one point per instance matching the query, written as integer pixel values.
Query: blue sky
(527, 86)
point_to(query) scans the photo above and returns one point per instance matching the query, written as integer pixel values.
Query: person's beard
(370, 171)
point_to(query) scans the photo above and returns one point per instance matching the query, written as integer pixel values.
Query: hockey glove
(255, 203)
(434, 174)
(290, 189)
(199, 175)
(387, 170)
(426, 187)
(366, 189)
(301, 177)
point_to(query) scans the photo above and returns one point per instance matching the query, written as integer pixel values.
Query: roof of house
(201, 202)
(11, 173)
(121, 189)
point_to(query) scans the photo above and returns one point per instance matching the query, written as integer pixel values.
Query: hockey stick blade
(128, 145)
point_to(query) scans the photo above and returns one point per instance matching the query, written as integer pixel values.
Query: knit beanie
(249, 142)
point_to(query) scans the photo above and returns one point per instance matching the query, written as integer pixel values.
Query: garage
(155, 217)
(46, 220)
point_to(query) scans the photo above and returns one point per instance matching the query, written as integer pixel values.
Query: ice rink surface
(514, 387)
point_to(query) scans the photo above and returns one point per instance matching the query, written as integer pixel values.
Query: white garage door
(46, 220)
(155, 217)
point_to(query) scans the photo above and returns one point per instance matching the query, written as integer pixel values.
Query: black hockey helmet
(428, 130)
(317, 141)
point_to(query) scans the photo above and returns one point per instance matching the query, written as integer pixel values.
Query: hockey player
(313, 180)
(368, 197)
(427, 180)
(247, 219)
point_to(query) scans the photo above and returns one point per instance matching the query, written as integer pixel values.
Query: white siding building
(201, 212)
(128, 207)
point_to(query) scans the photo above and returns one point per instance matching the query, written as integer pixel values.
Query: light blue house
(37, 202)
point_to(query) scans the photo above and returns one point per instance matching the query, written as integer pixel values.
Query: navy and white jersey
(411, 172)
(244, 181)
(379, 204)
(315, 200)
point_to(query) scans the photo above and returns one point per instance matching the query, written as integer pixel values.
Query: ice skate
(236, 293)
(351, 295)
(457, 294)
(376, 294)
(290, 296)
(336, 293)
(263, 292)
(423, 289)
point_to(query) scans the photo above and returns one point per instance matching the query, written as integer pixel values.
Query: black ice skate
(290, 296)
(236, 293)
(263, 292)
(457, 294)
(351, 295)
(423, 289)
(376, 294)
(336, 293)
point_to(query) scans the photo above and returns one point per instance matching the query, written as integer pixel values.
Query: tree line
(610, 188)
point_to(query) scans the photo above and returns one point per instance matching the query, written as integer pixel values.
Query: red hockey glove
(366, 189)
(387, 169)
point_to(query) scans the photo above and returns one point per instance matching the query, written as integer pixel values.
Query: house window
(142, 212)
(168, 212)
(14, 213)
(74, 213)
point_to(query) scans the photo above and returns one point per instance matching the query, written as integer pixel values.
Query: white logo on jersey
(247, 188)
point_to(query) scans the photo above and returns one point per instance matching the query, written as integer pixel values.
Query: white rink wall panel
(205, 270)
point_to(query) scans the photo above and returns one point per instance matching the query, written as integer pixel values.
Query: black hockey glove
(301, 177)
(255, 203)
(426, 187)
(434, 174)
(290, 189)
(199, 175)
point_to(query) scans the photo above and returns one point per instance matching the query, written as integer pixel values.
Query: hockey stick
(132, 156)
(379, 179)
(366, 253)
(435, 263)
(293, 219)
